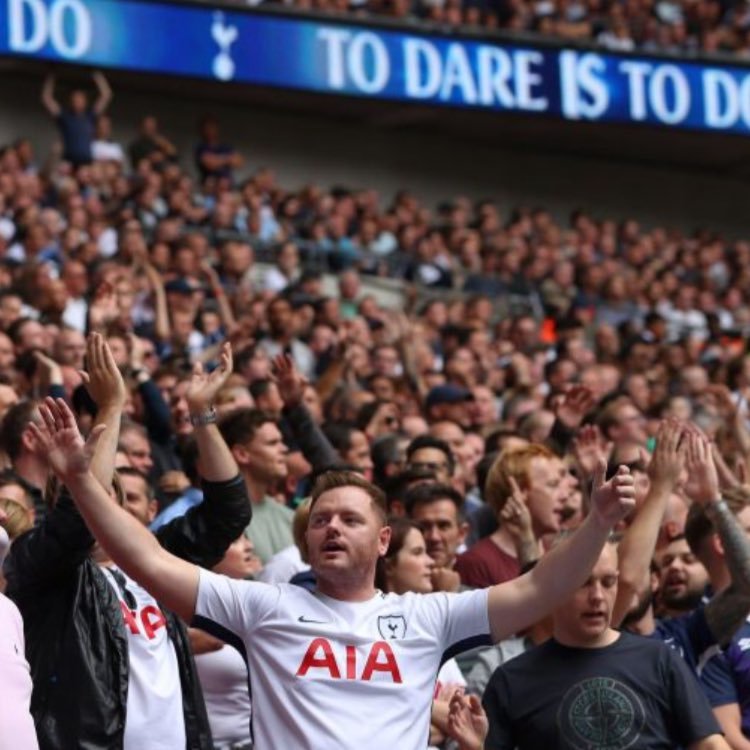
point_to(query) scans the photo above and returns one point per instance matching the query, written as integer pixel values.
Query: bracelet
(201, 420)
(717, 506)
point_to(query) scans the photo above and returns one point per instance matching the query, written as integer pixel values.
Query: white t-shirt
(333, 674)
(154, 719)
(223, 676)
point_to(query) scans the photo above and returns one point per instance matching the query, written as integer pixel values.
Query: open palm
(61, 440)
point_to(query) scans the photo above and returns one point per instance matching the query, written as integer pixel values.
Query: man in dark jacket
(111, 668)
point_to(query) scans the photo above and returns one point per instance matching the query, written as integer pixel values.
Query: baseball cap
(448, 394)
(180, 286)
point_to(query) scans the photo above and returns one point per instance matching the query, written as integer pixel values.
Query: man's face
(485, 406)
(434, 460)
(546, 494)
(71, 349)
(443, 532)
(137, 501)
(266, 453)
(280, 317)
(454, 436)
(585, 618)
(682, 577)
(7, 353)
(345, 536)
(138, 451)
(32, 336)
(630, 427)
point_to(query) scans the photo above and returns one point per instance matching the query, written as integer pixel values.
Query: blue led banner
(320, 56)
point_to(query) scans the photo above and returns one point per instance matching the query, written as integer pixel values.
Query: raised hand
(668, 459)
(575, 405)
(722, 397)
(61, 440)
(103, 310)
(203, 386)
(612, 500)
(704, 478)
(48, 369)
(589, 448)
(289, 380)
(467, 722)
(515, 516)
(103, 378)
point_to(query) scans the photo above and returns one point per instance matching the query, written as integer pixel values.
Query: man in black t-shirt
(591, 687)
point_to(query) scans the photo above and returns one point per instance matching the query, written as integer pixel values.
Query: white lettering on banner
(654, 85)
(496, 76)
(726, 101)
(362, 46)
(31, 24)
(419, 54)
(720, 99)
(334, 40)
(668, 77)
(348, 54)
(526, 79)
(458, 74)
(495, 70)
(636, 73)
(582, 92)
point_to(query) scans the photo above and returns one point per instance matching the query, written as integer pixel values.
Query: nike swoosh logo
(302, 618)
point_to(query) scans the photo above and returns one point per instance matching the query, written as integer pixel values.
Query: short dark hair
(15, 422)
(699, 527)
(259, 388)
(433, 492)
(129, 471)
(339, 435)
(428, 441)
(239, 426)
(331, 480)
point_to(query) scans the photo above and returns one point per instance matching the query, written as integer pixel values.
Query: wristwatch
(201, 420)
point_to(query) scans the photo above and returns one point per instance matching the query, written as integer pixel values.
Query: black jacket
(76, 640)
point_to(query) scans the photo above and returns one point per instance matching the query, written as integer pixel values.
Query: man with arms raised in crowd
(346, 663)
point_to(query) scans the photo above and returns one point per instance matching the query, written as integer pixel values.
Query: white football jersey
(337, 675)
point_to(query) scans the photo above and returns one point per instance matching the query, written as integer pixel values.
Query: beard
(639, 609)
(683, 602)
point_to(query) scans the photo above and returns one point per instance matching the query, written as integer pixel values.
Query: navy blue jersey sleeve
(717, 681)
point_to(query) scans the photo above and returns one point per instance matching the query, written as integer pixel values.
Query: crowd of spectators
(668, 26)
(617, 346)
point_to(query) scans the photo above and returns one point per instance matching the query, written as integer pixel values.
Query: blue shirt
(187, 500)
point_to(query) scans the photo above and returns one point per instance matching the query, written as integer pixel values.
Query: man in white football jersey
(344, 666)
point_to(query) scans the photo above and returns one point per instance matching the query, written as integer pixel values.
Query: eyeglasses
(428, 465)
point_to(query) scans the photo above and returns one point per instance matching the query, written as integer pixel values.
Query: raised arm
(727, 610)
(204, 533)
(131, 546)
(516, 604)
(107, 389)
(639, 542)
(48, 96)
(216, 461)
(104, 92)
(315, 446)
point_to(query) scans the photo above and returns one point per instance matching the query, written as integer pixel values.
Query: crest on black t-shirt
(392, 627)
